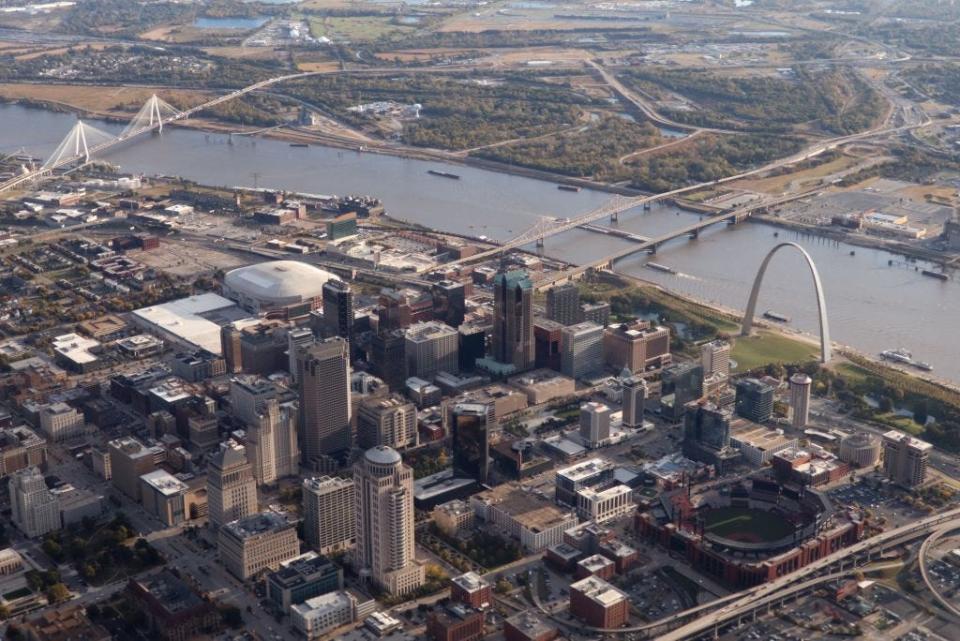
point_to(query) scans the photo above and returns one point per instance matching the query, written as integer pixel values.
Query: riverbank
(299, 135)
(788, 343)
(945, 260)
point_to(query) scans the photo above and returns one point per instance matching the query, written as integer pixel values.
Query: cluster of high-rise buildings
(323, 394)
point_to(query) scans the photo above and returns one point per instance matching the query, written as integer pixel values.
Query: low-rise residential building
(69, 623)
(454, 623)
(453, 517)
(174, 611)
(529, 626)
(472, 590)
(598, 604)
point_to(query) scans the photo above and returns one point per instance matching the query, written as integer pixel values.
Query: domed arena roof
(383, 455)
(279, 281)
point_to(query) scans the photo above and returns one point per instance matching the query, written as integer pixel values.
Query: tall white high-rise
(329, 521)
(594, 423)
(715, 357)
(231, 486)
(297, 339)
(431, 347)
(385, 525)
(581, 349)
(35, 509)
(386, 420)
(800, 385)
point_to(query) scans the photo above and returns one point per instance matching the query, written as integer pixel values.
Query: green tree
(921, 411)
(52, 549)
(57, 593)
(435, 574)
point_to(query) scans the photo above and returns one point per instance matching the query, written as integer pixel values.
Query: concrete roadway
(925, 572)
(749, 599)
(743, 603)
(179, 552)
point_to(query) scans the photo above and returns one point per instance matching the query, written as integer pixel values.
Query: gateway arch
(818, 286)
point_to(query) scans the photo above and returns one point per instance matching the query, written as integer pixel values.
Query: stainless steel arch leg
(825, 348)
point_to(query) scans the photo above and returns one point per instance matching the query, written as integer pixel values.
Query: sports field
(747, 524)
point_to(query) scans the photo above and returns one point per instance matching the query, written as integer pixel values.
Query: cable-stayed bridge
(84, 140)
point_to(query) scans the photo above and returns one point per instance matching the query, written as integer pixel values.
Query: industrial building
(187, 321)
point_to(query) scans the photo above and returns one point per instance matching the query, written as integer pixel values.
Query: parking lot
(652, 596)
(883, 500)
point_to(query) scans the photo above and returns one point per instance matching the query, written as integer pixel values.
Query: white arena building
(287, 286)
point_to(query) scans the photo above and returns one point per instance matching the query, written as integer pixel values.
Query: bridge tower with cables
(77, 145)
(152, 115)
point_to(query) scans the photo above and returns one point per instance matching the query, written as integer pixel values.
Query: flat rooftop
(565, 551)
(585, 469)
(133, 448)
(906, 439)
(470, 582)
(595, 563)
(301, 569)
(608, 493)
(164, 482)
(256, 524)
(172, 593)
(531, 508)
(187, 319)
(76, 348)
(532, 625)
(598, 591)
(758, 436)
(430, 487)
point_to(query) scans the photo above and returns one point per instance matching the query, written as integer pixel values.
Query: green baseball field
(747, 524)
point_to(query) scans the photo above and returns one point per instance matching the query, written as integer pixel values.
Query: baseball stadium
(750, 532)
